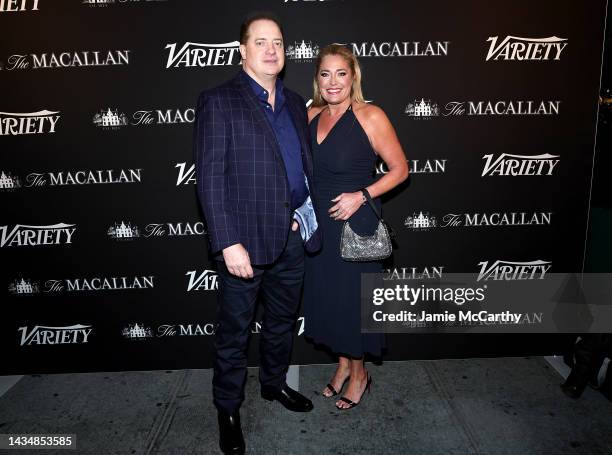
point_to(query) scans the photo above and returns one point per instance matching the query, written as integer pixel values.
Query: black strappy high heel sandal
(352, 404)
(333, 390)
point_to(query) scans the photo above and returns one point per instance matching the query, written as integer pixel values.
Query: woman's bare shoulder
(369, 113)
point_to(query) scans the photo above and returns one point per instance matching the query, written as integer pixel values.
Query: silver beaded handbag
(358, 248)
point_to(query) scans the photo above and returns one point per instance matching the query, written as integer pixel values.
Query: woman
(347, 136)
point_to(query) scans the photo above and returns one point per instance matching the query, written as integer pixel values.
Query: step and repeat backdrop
(104, 249)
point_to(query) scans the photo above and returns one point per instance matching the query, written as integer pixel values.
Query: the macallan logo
(98, 2)
(496, 219)
(422, 109)
(18, 5)
(413, 273)
(302, 52)
(518, 107)
(514, 108)
(517, 48)
(105, 3)
(9, 182)
(507, 164)
(507, 270)
(42, 334)
(204, 281)
(174, 229)
(401, 49)
(160, 117)
(17, 123)
(186, 175)
(137, 331)
(29, 235)
(98, 177)
(203, 55)
(437, 166)
(112, 283)
(421, 221)
(24, 287)
(67, 60)
(110, 119)
(122, 231)
(190, 330)
(54, 286)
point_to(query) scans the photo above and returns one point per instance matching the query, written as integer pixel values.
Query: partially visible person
(588, 356)
(347, 136)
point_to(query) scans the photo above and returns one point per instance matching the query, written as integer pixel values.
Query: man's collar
(261, 92)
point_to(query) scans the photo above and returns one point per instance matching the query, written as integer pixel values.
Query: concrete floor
(473, 406)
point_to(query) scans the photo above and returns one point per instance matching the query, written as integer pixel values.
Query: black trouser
(279, 285)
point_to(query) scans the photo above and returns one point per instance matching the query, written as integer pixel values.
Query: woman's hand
(346, 205)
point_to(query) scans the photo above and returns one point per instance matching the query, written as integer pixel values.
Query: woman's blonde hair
(353, 63)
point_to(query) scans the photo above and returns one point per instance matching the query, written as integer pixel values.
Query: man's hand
(295, 226)
(237, 261)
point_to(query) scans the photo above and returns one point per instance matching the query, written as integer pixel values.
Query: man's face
(263, 55)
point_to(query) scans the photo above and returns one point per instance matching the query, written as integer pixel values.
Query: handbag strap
(369, 199)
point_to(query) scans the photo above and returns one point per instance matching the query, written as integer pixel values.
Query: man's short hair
(244, 27)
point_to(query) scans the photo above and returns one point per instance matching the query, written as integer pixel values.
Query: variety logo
(507, 164)
(78, 59)
(202, 55)
(517, 48)
(24, 287)
(413, 273)
(436, 166)
(8, 182)
(302, 52)
(28, 235)
(174, 229)
(18, 5)
(123, 231)
(186, 175)
(41, 334)
(40, 122)
(420, 222)
(401, 49)
(204, 281)
(506, 270)
(497, 219)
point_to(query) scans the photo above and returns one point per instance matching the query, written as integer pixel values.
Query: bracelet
(364, 199)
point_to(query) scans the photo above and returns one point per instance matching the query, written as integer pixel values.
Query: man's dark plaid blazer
(241, 179)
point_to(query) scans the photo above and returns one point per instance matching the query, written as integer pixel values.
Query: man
(254, 174)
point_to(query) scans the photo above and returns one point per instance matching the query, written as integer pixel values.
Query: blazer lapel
(259, 115)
